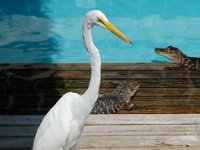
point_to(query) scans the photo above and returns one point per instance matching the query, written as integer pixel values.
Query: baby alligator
(179, 57)
(119, 100)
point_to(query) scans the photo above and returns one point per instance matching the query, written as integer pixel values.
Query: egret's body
(62, 126)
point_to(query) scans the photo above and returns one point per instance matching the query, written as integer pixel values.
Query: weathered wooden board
(130, 131)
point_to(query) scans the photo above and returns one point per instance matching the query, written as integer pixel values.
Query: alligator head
(171, 53)
(126, 90)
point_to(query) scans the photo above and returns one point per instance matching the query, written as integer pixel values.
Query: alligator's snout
(157, 50)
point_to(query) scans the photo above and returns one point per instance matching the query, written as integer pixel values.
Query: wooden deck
(113, 132)
(171, 120)
(34, 89)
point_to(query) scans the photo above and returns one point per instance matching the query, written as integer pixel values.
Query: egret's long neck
(92, 92)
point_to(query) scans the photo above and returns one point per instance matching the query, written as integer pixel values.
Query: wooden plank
(114, 132)
(163, 147)
(139, 100)
(139, 148)
(179, 99)
(165, 110)
(18, 131)
(192, 100)
(130, 74)
(20, 120)
(148, 110)
(83, 83)
(151, 108)
(110, 130)
(164, 119)
(157, 109)
(28, 74)
(116, 142)
(141, 92)
(10, 143)
(149, 82)
(86, 66)
(113, 142)
(138, 141)
(181, 119)
(135, 148)
(141, 130)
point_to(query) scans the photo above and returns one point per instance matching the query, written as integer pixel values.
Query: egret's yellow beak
(114, 30)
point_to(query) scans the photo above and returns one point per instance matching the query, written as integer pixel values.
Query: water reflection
(50, 31)
(26, 37)
(25, 33)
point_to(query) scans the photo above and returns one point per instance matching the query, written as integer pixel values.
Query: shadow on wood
(35, 88)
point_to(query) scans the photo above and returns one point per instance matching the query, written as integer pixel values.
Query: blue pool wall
(38, 31)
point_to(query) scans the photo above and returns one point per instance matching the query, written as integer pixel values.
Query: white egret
(62, 126)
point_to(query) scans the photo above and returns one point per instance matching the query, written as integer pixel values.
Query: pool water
(49, 31)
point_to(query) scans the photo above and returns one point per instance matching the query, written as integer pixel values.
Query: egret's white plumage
(62, 126)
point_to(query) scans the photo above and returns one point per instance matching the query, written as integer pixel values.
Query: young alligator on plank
(119, 100)
(179, 57)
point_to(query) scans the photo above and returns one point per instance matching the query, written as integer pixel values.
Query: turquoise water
(49, 31)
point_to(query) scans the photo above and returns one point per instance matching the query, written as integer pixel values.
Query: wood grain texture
(114, 132)
(35, 88)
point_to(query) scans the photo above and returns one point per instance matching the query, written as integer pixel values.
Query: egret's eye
(100, 20)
